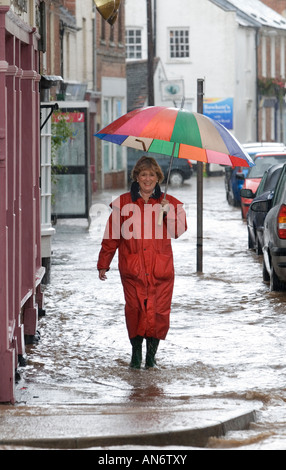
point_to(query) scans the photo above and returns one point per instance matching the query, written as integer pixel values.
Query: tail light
(190, 163)
(281, 222)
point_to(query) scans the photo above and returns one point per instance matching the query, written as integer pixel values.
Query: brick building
(84, 49)
(271, 74)
(111, 81)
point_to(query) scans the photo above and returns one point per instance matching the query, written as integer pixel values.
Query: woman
(145, 257)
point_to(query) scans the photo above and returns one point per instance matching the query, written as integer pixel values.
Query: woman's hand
(102, 274)
(165, 205)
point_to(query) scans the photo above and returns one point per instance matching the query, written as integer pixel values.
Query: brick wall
(70, 5)
(114, 180)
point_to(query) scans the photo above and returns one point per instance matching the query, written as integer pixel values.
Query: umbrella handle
(160, 218)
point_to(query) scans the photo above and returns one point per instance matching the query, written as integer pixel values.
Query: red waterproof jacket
(145, 259)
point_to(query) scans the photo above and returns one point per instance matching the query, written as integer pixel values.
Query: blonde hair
(147, 163)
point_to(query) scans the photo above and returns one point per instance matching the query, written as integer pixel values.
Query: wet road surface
(227, 334)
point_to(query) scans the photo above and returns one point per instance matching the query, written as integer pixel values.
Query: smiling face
(147, 180)
(147, 173)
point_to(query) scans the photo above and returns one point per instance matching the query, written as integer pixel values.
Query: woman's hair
(145, 163)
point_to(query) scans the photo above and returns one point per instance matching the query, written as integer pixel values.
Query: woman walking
(145, 257)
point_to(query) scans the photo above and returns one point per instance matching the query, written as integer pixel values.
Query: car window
(260, 188)
(272, 180)
(263, 163)
(280, 189)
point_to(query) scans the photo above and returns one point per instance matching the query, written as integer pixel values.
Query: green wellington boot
(152, 346)
(136, 358)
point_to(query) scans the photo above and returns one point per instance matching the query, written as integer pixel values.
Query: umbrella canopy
(178, 133)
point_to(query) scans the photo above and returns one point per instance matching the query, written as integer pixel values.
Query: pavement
(57, 419)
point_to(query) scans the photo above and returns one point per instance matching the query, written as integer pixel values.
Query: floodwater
(227, 335)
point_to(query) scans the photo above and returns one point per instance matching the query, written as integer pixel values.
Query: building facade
(111, 81)
(53, 54)
(21, 269)
(89, 54)
(231, 45)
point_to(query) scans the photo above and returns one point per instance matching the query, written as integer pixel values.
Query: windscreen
(263, 163)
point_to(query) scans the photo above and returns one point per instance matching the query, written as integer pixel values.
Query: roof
(253, 13)
(137, 80)
(136, 72)
(68, 19)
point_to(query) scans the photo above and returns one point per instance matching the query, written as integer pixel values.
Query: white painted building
(78, 46)
(216, 40)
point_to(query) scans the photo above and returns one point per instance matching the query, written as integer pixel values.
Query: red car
(262, 162)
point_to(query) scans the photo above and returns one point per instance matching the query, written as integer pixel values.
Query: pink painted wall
(20, 229)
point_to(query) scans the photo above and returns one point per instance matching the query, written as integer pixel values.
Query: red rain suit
(145, 259)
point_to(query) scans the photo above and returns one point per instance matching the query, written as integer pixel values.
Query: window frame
(111, 153)
(185, 32)
(128, 45)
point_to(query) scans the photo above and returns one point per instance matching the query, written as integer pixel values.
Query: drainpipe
(155, 29)
(94, 46)
(150, 54)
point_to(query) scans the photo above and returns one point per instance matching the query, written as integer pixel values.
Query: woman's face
(147, 180)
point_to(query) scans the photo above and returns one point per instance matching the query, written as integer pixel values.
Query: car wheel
(250, 241)
(258, 248)
(275, 283)
(231, 201)
(265, 273)
(176, 178)
(228, 198)
(242, 213)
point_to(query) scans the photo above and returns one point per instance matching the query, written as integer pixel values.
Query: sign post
(200, 94)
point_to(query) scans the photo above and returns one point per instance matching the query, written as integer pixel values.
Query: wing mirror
(261, 206)
(247, 193)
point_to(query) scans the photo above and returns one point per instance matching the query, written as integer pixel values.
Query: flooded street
(227, 335)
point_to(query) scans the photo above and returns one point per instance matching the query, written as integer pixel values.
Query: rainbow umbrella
(177, 133)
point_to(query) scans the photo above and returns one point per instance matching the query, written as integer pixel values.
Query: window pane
(119, 165)
(70, 194)
(179, 43)
(72, 151)
(106, 159)
(106, 113)
(133, 44)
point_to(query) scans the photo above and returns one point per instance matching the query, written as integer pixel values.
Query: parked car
(255, 220)
(214, 169)
(254, 176)
(234, 177)
(181, 169)
(274, 235)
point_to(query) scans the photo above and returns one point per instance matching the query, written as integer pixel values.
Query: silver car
(274, 235)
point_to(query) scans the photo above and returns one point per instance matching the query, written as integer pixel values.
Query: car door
(273, 244)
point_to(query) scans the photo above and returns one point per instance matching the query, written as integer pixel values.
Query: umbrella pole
(167, 184)
(169, 171)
